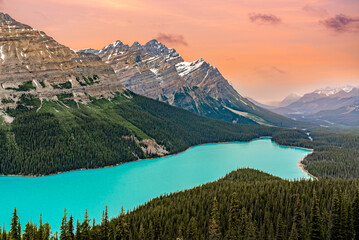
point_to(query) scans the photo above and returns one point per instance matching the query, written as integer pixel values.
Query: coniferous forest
(245, 204)
(55, 138)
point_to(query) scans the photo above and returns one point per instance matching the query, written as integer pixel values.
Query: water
(132, 184)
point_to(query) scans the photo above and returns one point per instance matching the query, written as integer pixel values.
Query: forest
(245, 204)
(62, 136)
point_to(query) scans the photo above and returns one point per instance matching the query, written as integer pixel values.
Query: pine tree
(192, 231)
(47, 231)
(294, 233)
(233, 224)
(4, 234)
(279, 229)
(336, 229)
(214, 231)
(122, 228)
(40, 229)
(105, 225)
(347, 220)
(315, 222)
(63, 228)
(28, 232)
(78, 231)
(85, 227)
(15, 231)
(70, 228)
(299, 219)
(141, 233)
(355, 214)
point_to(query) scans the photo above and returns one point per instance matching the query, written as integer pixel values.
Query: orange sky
(267, 49)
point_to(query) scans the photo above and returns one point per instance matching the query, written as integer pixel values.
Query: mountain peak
(6, 20)
(329, 91)
(5, 17)
(155, 47)
(136, 46)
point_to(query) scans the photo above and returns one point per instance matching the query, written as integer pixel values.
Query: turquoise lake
(132, 184)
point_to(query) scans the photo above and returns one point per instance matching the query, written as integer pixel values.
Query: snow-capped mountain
(159, 72)
(319, 104)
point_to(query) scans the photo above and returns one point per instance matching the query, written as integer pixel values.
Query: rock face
(158, 72)
(31, 61)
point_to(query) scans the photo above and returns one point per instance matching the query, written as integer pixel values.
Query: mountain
(32, 62)
(62, 110)
(291, 98)
(160, 73)
(327, 106)
(265, 106)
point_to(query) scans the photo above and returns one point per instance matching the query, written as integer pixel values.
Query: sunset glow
(267, 49)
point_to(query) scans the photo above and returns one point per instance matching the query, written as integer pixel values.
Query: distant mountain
(265, 106)
(291, 98)
(158, 72)
(327, 106)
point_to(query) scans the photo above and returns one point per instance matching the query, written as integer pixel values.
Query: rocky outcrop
(31, 61)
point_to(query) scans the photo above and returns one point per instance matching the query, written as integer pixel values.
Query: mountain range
(327, 107)
(160, 73)
(62, 110)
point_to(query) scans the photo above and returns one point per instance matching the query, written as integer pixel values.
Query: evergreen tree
(294, 233)
(336, 229)
(356, 216)
(4, 234)
(141, 233)
(214, 231)
(78, 230)
(315, 222)
(85, 227)
(15, 231)
(46, 231)
(122, 230)
(299, 220)
(279, 229)
(192, 231)
(70, 228)
(233, 224)
(64, 227)
(105, 225)
(29, 232)
(40, 230)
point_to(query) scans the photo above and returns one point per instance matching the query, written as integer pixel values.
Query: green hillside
(51, 136)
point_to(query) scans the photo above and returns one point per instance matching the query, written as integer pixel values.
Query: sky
(266, 49)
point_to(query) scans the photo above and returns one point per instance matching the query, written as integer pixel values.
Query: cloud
(172, 39)
(264, 18)
(278, 70)
(342, 23)
(315, 11)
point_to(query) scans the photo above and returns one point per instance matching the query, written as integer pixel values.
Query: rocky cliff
(32, 62)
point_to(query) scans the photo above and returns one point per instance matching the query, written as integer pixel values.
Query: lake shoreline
(169, 155)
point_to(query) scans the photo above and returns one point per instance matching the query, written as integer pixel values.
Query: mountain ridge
(326, 106)
(158, 72)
